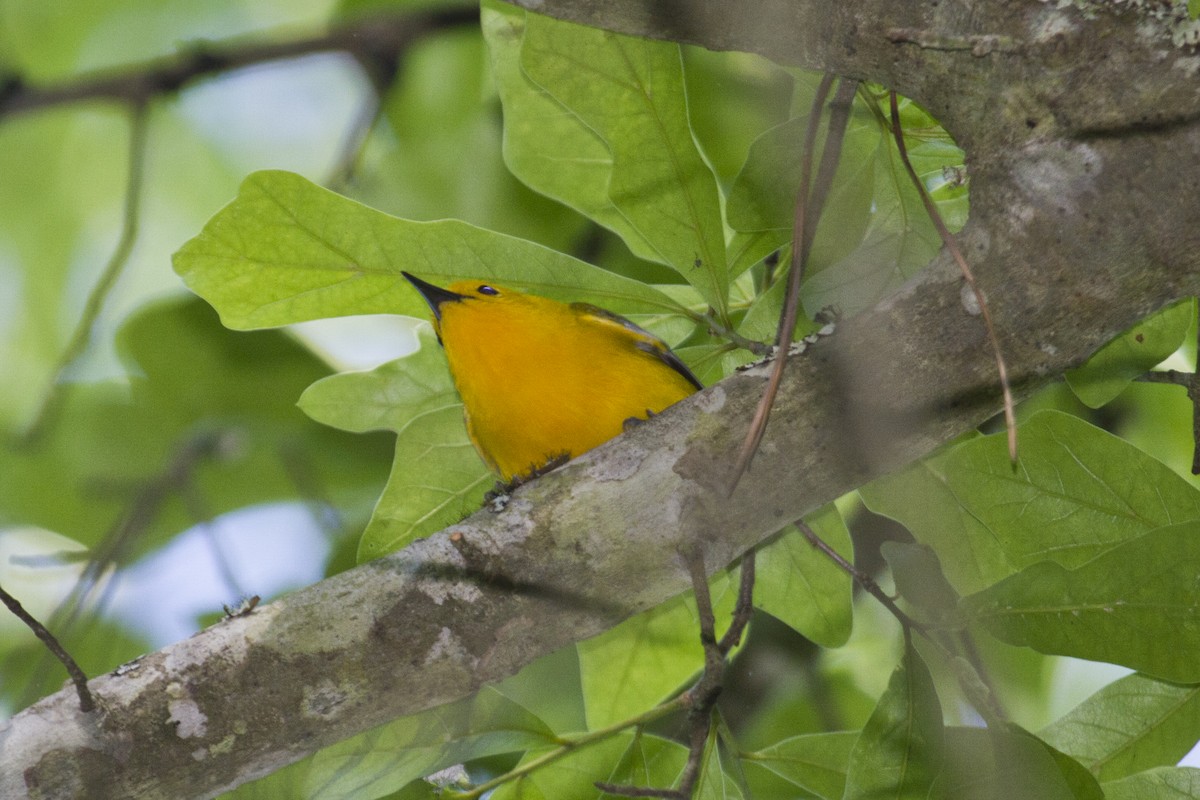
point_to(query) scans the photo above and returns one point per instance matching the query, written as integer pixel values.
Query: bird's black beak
(434, 295)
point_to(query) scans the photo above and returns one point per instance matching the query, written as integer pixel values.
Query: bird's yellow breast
(540, 379)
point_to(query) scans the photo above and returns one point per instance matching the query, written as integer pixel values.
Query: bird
(543, 381)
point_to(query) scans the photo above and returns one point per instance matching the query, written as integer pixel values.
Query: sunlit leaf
(286, 250)
(639, 663)
(815, 762)
(596, 97)
(1164, 783)
(1133, 353)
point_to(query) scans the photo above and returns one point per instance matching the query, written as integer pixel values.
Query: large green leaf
(1133, 353)
(899, 753)
(1130, 725)
(599, 121)
(799, 585)
(437, 476)
(286, 250)
(1135, 605)
(1075, 493)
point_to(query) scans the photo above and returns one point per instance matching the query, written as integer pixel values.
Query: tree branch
(1071, 243)
(371, 40)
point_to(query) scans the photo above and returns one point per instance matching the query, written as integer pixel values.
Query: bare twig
(86, 703)
(809, 206)
(1010, 420)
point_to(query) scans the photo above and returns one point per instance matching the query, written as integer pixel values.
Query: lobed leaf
(607, 132)
(286, 250)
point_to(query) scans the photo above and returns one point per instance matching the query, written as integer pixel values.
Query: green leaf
(1076, 492)
(1164, 783)
(389, 757)
(639, 663)
(1129, 726)
(814, 762)
(1009, 763)
(899, 752)
(799, 585)
(586, 98)
(437, 476)
(552, 152)
(1132, 354)
(286, 250)
(1135, 605)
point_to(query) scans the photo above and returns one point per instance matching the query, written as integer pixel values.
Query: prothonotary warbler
(540, 379)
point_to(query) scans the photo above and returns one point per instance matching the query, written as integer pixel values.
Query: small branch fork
(701, 699)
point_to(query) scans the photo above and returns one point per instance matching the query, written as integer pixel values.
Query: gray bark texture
(1082, 133)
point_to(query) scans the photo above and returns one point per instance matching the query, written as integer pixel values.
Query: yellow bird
(540, 379)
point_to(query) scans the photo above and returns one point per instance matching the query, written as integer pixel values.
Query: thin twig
(86, 703)
(1010, 419)
(809, 205)
(369, 40)
(58, 387)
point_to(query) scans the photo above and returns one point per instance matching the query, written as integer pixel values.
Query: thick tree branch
(1082, 222)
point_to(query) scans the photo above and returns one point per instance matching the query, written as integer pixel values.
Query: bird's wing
(641, 339)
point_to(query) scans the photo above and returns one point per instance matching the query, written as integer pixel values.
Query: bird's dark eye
(488, 290)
